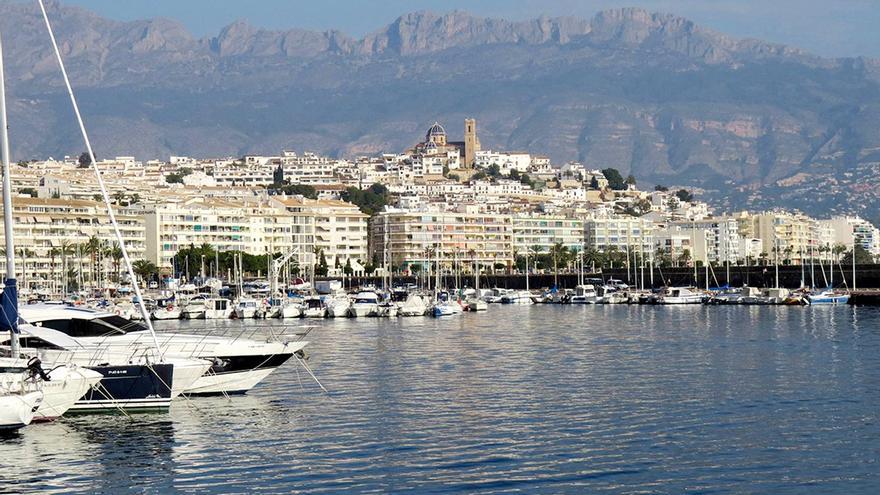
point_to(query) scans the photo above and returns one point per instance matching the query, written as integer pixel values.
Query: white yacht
(680, 295)
(247, 308)
(414, 305)
(218, 308)
(17, 407)
(314, 307)
(194, 309)
(338, 306)
(366, 303)
(235, 364)
(517, 297)
(168, 312)
(66, 383)
(584, 294)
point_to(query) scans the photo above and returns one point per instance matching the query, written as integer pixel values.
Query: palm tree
(115, 253)
(53, 253)
(92, 248)
(534, 252)
(685, 256)
(144, 269)
(559, 252)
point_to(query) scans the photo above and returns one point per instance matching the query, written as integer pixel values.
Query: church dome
(435, 130)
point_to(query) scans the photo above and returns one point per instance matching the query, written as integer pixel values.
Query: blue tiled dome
(435, 130)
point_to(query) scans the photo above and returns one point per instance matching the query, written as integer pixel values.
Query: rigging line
(100, 179)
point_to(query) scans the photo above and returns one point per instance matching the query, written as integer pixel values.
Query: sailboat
(18, 403)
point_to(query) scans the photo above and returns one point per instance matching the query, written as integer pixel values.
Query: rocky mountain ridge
(748, 123)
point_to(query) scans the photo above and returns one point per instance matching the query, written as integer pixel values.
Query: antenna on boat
(100, 178)
(9, 298)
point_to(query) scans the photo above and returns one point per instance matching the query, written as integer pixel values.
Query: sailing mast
(9, 298)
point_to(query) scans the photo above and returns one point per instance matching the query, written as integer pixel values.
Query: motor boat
(366, 303)
(517, 297)
(218, 308)
(338, 306)
(194, 309)
(680, 295)
(248, 308)
(234, 364)
(584, 294)
(414, 305)
(62, 385)
(826, 297)
(127, 382)
(17, 406)
(387, 309)
(446, 308)
(476, 304)
(314, 307)
(168, 311)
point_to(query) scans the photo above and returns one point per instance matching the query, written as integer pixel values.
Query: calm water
(543, 399)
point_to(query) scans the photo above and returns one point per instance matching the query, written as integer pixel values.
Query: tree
(494, 170)
(660, 188)
(479, 175)
(454, 177)
(615, 180)
(144, 269)
(630, 180)
(514, 174)
(594, 183)
(30, 191)
(559, 253)
(370, 201)
(85, 161)
(321, 269)
(863, 257)
(684, 257)
(347, 269)
(303, 190)
(684, 195)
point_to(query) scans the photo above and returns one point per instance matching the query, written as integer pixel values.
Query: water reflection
(536, 399)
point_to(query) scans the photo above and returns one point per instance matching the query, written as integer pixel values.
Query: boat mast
(10, 292)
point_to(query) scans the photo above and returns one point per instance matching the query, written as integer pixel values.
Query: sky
(825, 27)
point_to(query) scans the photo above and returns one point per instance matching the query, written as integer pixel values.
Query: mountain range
(742, 122)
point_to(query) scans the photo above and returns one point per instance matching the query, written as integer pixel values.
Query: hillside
(746, 123)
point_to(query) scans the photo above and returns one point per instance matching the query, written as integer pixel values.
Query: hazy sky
(825, 27)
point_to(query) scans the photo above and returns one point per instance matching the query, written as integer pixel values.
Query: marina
(538, 398)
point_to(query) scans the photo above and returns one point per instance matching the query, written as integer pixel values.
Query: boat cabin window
(98, 327)
(32, 343)
(362, 300)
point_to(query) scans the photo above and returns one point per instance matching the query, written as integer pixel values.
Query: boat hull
(18, 410)
(66, 387)
(129, 387)
(236, 375)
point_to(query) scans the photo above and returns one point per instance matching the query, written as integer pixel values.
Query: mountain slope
(749, 123)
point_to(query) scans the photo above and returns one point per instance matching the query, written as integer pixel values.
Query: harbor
(537, 398)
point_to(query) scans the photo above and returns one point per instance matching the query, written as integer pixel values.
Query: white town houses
(439, 200)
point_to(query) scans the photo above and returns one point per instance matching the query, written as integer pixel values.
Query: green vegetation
(289, 189)
(85, 161)
(30, 191)
(615, 180)
(370, 201)
(192, 257)
(863, 257)
(684, 195)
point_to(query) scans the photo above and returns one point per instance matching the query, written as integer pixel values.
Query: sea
(519, 399)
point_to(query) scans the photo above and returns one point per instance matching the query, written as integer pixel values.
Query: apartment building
(339, 230)
(419, 237)
(544, 231)
(620, 232)
(52, 234)
(255, 227)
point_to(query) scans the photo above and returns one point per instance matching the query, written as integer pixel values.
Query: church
(437, 152)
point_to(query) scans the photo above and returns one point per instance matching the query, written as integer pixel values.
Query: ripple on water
(536, 399)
